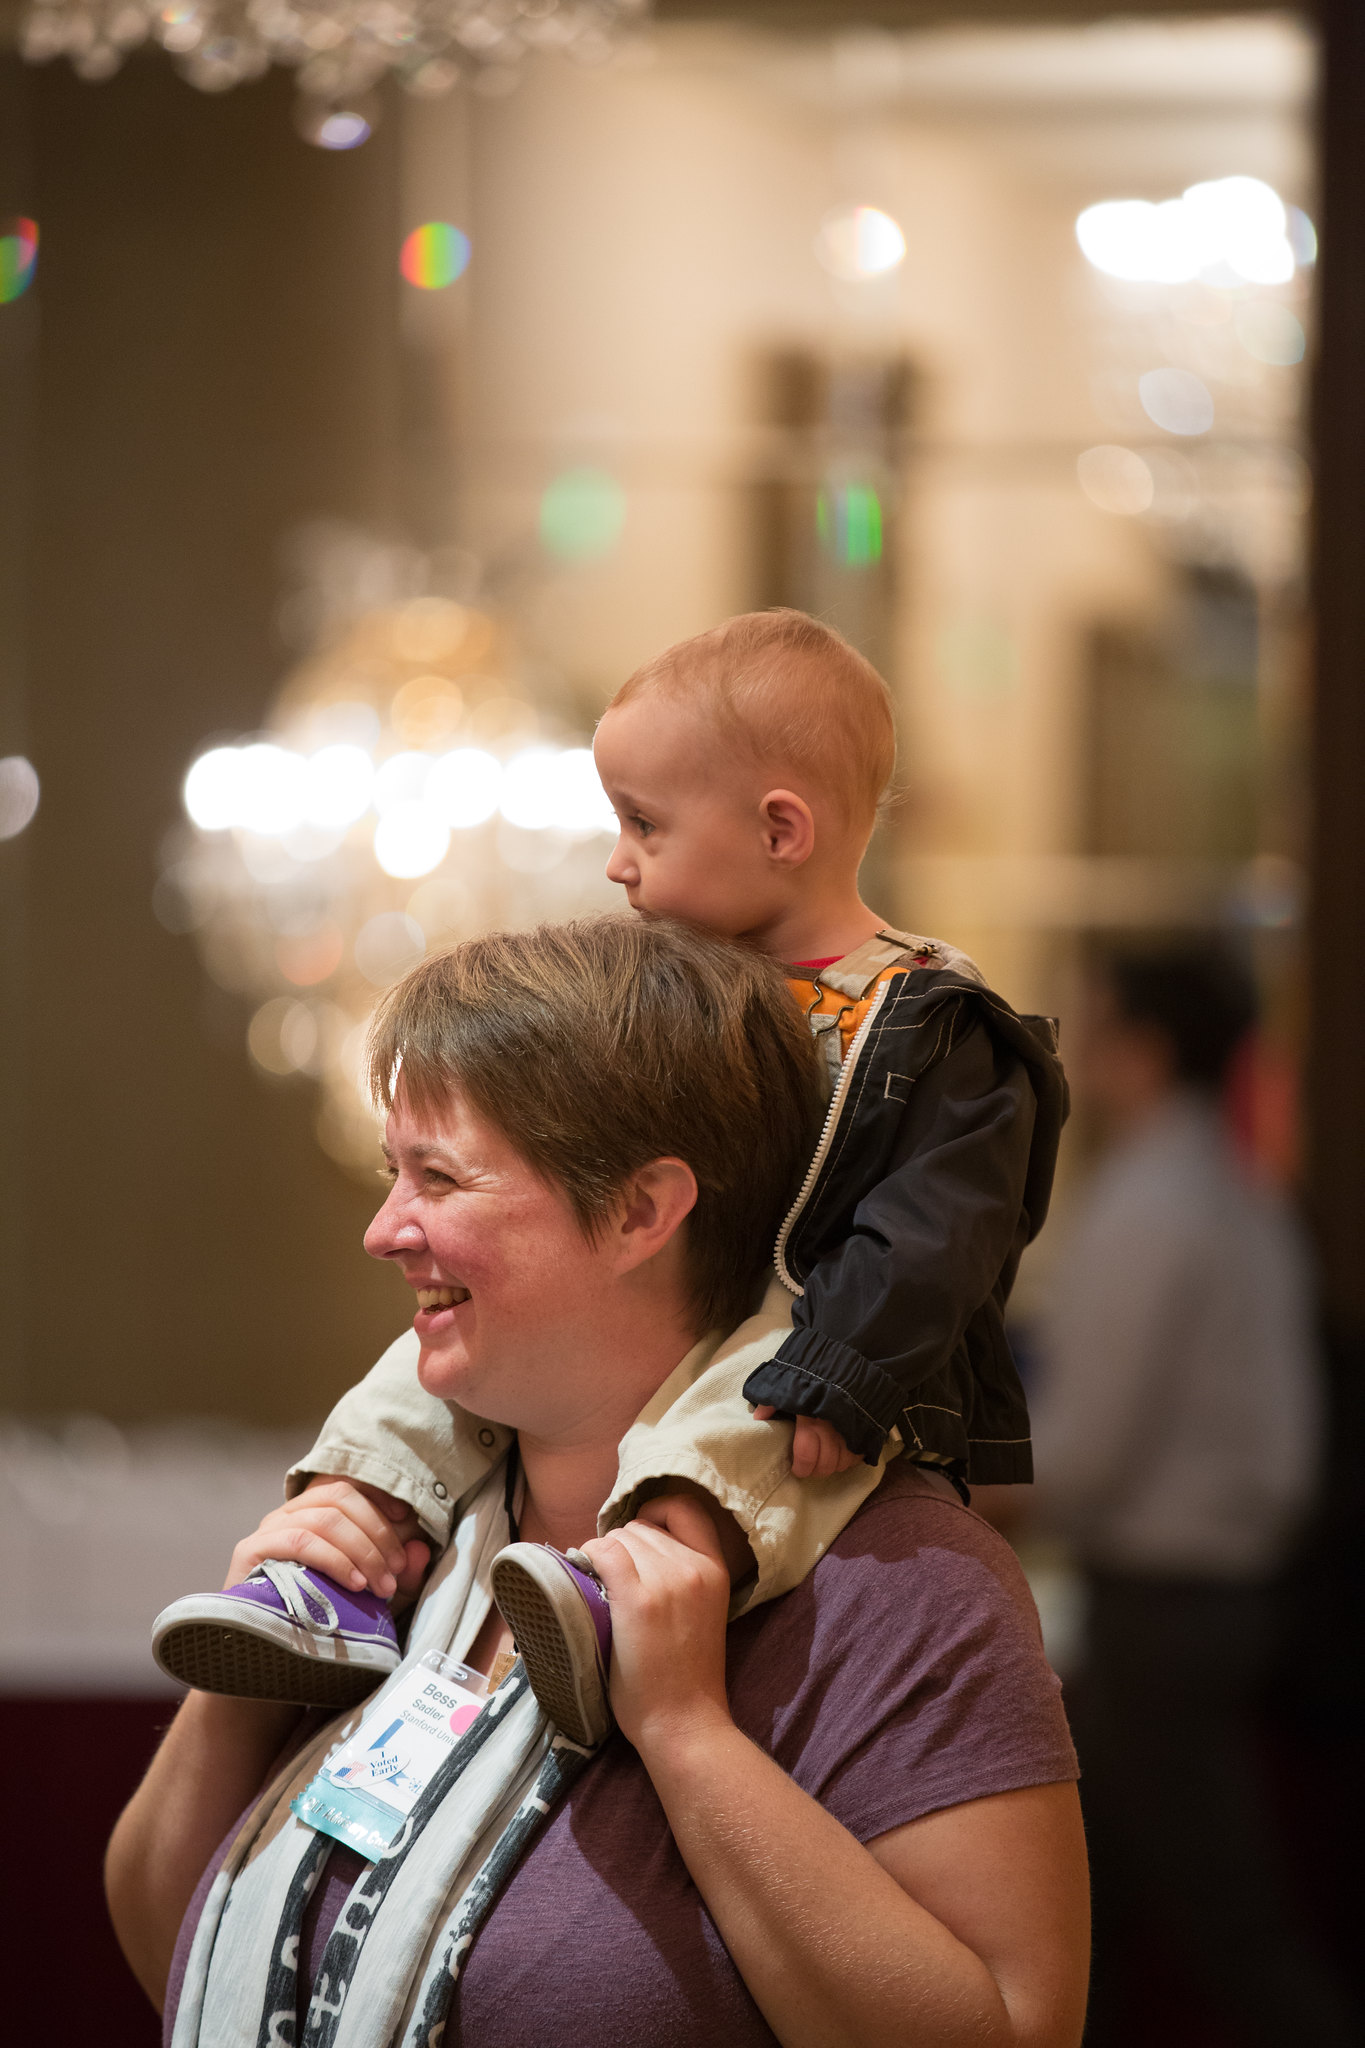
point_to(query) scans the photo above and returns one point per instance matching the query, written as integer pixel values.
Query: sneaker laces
(301, 1595)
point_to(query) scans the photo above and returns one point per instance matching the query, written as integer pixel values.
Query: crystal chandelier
(339, 48)
(418, 781)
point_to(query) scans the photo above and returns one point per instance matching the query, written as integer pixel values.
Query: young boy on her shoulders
(746, 767)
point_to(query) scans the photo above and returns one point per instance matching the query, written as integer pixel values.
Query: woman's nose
(391, 1234)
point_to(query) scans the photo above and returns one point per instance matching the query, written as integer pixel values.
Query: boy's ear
(788, 827)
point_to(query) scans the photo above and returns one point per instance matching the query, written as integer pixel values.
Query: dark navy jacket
(932, 1174)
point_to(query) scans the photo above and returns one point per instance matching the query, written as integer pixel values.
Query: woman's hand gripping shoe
(285, 1633)
(305, 1617)
(558, 1614)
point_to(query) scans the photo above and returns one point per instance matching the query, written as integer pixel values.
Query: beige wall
(642, 234)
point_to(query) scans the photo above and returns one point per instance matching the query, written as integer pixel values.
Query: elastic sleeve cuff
(819, 1376)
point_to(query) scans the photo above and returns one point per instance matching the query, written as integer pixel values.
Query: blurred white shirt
(1177, 1413)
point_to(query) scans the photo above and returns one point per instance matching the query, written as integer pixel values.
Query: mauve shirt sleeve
(911, 1675)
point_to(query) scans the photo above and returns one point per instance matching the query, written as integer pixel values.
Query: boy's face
(692, 842)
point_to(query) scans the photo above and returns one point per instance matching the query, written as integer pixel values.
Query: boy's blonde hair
(791, 691)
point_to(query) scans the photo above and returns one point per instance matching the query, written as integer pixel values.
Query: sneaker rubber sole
(263, 1662)
(556, 1641)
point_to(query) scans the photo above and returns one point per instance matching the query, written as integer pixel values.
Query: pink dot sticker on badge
(464, 1717)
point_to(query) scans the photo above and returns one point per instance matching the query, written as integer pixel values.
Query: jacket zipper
(832, 1115)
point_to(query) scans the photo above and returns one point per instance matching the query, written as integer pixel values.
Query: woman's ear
(656, 1202)
(788, 828)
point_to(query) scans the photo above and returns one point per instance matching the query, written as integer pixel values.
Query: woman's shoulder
(915, 1505)
(918, 1559)
(906, 1673)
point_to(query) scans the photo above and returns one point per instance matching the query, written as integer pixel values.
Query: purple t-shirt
(906, 1674)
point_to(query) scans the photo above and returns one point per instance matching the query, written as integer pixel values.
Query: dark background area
(212, 360)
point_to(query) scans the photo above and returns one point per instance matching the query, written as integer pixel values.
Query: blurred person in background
(1176, 1428)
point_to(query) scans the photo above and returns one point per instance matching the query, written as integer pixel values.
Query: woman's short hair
(599, 1045)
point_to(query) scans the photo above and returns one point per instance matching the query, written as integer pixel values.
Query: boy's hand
(818, 1450)
(356, 1534)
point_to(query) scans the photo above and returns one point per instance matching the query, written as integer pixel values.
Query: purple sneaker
(558, 1613)
(286, 1633)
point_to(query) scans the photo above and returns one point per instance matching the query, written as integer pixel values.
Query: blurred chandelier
(413, 787)
(339, 48)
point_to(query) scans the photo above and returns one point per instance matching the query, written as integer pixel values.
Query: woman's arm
(212, 1763)
(969, 1926)
(218, 1752)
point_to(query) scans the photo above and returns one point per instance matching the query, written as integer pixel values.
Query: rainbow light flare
(18, 255)
(434, 255)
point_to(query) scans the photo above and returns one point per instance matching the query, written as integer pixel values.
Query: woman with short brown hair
(849, 1819)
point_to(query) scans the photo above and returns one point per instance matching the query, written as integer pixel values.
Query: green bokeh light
(581, 514)
(848, 519)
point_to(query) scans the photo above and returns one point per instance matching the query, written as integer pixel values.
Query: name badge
(365, 1791)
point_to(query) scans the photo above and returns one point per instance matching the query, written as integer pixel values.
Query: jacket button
(439, 1491)
(487, 1439)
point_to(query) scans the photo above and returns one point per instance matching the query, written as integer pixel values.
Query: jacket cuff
(819, 1376)
(430, 1501)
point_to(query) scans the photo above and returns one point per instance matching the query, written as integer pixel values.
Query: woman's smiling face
(509, 1287)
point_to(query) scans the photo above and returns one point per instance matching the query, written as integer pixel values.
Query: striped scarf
(386, 1978)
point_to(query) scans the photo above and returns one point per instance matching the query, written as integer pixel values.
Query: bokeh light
(581, 803)
(338, 783)
(859, 242)
(401, 780)
(1116, 479)
(582, 513)
(387, 946)
(19, 793)
(320, 858)
(529, 791)
(1227, 231)
(410, 840)
(464, 786)
(1241, 222)
(312, 957)
(1176, 400)
(546, 790)
(848, 519)
(210, 789)
(336, 51)
(434, 255)
(285, 1035)
(333, 127)
(440, 907)
(18, 257)
(1303, 238)
(427, 710)
(271, 789)
(1270, 333)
